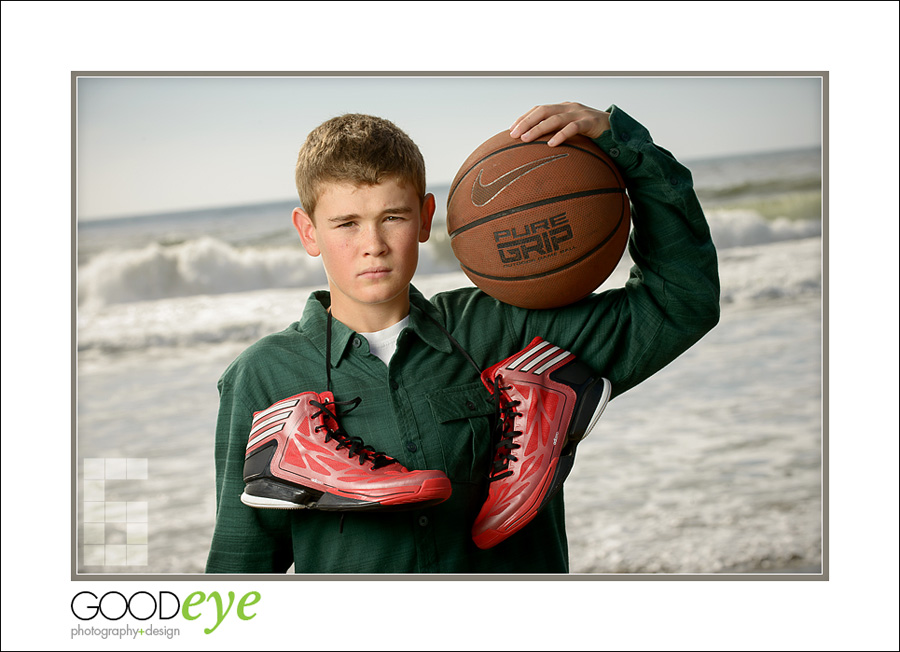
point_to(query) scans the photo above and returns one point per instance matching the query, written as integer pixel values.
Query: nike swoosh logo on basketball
(482, 194)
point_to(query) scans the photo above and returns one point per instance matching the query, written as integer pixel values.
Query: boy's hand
(566, 119)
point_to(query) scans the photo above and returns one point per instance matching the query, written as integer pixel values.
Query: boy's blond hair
(359, 149)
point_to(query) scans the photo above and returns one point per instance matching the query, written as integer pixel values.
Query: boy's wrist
(624, 138)
(639, 159)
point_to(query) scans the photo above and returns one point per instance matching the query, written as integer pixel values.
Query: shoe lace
(504, 431)
(354, 445)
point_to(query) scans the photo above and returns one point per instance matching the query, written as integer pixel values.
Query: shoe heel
(262, 489)
(256, 465)
(274, 495)
(590, 408)
(593, 394)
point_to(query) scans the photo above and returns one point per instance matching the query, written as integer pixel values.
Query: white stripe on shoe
(522, 358)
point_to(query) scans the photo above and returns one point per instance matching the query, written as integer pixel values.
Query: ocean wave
(744, 228)
(751, 276)
(202, 266)
(760, 187)
(209, 266)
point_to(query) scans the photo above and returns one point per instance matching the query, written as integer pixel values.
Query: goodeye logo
(165, 606)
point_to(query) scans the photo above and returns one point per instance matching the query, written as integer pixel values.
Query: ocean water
(714, 465)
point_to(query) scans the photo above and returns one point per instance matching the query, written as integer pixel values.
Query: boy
(422, 402)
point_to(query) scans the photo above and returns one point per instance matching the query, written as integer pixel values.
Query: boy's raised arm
(672, 296)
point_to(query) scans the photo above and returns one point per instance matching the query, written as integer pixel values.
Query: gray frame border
(822, 576)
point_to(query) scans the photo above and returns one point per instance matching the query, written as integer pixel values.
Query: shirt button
(423, 521)
(394, 384)
(470, 405)
(614, 152)
(357, 342)
(673, 181)
(624, 138)
(411, 447)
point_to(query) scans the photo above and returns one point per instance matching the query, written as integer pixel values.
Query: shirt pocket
(463, 415)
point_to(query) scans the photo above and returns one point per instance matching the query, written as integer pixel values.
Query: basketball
(537, 226)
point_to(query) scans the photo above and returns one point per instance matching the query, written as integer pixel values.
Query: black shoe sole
(267, 493)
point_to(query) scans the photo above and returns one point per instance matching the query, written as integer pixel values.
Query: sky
(148, 144)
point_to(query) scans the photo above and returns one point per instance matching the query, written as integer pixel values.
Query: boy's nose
(375, 244)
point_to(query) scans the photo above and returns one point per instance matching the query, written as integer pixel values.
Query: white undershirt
(382, 343)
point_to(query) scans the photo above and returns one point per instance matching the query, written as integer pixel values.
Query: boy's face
(368, 237)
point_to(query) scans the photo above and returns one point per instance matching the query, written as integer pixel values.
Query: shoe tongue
(327, 400)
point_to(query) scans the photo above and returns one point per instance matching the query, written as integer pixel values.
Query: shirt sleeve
(671, 298)
(245, 540)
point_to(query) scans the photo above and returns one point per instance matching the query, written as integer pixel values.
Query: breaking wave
(202, 266)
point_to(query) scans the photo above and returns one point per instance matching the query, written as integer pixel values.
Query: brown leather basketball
(537, 226)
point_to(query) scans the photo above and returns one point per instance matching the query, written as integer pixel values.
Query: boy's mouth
(375, 272)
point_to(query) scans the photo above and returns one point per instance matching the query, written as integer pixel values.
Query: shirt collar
(314, 324)
(420, 309)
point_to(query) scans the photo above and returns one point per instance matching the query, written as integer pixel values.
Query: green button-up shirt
(428, 408)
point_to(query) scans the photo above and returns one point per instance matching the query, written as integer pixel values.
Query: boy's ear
(307, 230)
(427, 217)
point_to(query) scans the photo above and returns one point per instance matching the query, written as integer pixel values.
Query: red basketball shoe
(547, 402)
(299, 457)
